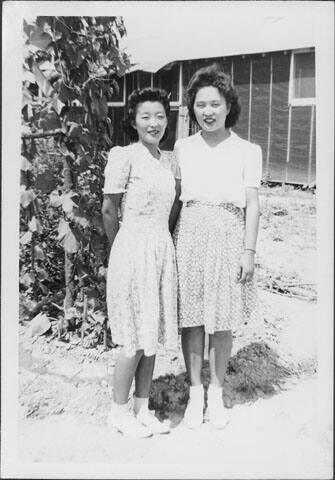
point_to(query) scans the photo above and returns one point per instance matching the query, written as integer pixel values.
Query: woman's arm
(175, 210)
(110, 209)
(251, 232)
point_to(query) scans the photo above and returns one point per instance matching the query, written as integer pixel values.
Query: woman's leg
(143, 376)
(220, 345)
(193, 341)
(119, 416)
(143, 379)
(124, 373)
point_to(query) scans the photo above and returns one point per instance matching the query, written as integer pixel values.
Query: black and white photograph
(167, 239)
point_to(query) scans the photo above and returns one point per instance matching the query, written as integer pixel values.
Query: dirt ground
(65, 389)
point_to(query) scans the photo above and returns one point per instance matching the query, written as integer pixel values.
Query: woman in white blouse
(215, 236)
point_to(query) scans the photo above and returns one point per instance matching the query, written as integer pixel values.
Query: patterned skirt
(209, 240)
(142, 289)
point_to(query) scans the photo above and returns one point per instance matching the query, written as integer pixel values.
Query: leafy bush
(71, 69)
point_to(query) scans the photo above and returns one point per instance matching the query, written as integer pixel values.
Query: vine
(71, 69)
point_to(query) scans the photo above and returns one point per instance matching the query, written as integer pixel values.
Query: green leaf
(26, 196)
(66, 237)
(74, 129)
(70, 243)
(38, 252)
(63, 229)
(83, 162)
(41, 273)
(50, 121)
(26, 238)
(98, 317)
(68, 204)
(81, 220)
(27, 279)
(34, 225)
(58, 105)
(26, 97)
(45, 182)
(66, 94)
(55, 199)
(40, 39)
(42, 81)
(25, 164)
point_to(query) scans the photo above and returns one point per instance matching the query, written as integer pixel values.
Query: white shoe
(218, 417)
(128, 425)
(194, 414)
(148, 419)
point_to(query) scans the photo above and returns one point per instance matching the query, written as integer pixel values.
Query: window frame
(293, 101)
(123, 102)
(177, 103)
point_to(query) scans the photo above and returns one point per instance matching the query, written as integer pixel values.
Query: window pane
(304, 75)
(144, 79)
(131, 83)
(168, 78)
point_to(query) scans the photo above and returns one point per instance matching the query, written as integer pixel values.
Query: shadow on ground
(254, 372)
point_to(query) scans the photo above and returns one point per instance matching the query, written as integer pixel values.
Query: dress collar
(145, 149)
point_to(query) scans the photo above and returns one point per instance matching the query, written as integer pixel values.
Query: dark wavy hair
(212, 76)
(140, 96)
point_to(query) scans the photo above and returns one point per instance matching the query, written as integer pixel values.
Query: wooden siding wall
(279, 117)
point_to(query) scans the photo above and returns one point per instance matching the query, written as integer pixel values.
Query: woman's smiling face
(210, 109)
(150, 122)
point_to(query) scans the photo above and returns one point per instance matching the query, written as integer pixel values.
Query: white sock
(214, 395)
(120, 409)
(197, 393)
(139, 403)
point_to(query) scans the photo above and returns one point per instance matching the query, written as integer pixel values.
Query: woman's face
(210, 109)
(150, 122)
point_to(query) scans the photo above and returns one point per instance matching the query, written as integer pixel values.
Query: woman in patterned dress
(141, 279)
(215, 236)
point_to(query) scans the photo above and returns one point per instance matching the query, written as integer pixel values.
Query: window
(119, 99)
(302, 82)
(169, 79)
(144, 79)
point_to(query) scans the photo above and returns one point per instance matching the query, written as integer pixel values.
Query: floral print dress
(141, 278)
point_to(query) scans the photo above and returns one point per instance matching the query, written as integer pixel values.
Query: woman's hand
(247, 267)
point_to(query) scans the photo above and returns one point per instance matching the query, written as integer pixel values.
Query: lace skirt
(209, 241)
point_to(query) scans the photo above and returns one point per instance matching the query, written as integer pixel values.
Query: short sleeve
(175, 163)
(117, 171)
(253, 167)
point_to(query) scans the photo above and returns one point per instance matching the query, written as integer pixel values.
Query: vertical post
(270, 119)
(232, 70)
(152, 80)
(183, 123)
(288, 142)
(311, 144)
(250, 101)
(180, 96)
(290, 96)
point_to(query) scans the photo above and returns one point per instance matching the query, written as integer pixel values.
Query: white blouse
(218, 174)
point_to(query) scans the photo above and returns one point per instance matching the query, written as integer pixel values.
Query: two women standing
(217, 175)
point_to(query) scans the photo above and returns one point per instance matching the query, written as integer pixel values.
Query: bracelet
(250, 249)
